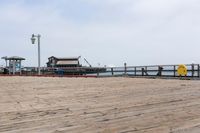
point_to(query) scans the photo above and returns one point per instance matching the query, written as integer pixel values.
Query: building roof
(13, 58)
(67, 63)
(66, 58)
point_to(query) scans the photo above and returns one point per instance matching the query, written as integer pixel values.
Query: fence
(151, 71)
(132, 71)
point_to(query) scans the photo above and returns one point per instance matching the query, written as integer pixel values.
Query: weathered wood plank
(121, 105)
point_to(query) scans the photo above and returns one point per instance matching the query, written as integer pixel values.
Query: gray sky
(109, 32)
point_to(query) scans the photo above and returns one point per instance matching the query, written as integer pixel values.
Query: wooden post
(174, 71)
(112, 72)
(125, 68)
(142, 71)
(146, 71)
(20, 68)
(192, 70)
(135, 71)
(198, 70)
(160, 68)
(97, 72)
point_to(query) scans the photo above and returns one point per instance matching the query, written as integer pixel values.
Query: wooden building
(63, 62)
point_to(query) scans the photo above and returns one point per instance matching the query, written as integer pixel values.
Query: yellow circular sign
(182, 70)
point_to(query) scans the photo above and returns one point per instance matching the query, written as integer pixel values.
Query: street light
(33, 39)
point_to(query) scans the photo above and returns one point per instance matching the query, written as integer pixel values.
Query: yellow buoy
(182, 70)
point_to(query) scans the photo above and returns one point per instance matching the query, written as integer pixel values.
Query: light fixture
(33, 39)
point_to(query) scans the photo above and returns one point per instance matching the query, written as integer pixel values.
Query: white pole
(39, 71)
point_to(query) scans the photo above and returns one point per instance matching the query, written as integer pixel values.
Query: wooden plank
(91, 105)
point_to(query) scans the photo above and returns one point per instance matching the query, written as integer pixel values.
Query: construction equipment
(87, 62)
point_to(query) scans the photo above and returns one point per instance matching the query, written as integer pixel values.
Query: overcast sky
(109, 32)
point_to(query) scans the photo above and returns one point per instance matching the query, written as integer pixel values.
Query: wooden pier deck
(98, 105)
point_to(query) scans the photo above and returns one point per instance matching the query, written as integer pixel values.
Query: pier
(98, 105)
(151, 71)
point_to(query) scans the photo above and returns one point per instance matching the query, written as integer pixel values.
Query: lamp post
(33, 39)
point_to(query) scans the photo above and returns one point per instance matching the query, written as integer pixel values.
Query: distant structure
(14, 65)
(5, 58)
(63, 62)
(87, 62)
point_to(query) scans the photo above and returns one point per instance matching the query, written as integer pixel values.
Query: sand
(98, 105)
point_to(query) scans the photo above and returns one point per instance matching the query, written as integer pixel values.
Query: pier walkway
(98, 105)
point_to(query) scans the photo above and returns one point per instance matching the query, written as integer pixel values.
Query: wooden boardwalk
(102, 105)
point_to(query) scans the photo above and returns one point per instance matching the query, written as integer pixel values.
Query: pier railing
(151, 71)
(131, 71)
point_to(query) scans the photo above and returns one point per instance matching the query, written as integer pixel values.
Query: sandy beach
(98, 105)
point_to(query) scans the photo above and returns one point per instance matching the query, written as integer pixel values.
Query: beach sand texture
(98, 105)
